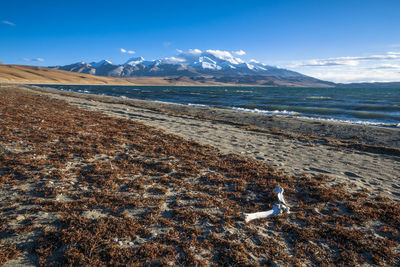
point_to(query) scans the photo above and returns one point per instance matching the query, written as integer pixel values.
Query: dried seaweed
(95, 190)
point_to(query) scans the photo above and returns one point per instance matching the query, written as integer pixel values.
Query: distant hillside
(32, 74)
(370, 85)
(42, 75)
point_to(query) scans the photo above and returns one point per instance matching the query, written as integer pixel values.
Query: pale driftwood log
(282, 207)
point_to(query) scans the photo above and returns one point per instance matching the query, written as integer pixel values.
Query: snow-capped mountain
(195, 64)
(101, 63)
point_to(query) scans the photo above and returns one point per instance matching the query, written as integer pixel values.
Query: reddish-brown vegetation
(8, 252)
(94, 190)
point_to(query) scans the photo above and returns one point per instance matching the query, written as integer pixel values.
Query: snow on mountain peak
(208, 59)
(101, 63)
(192, 60)
(189, 63)
(206, 63)
(134, 61)
(249, 66)
(80, 63)
(225, 55)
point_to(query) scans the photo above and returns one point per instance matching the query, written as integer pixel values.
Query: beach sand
(91, 180)
(286, 144)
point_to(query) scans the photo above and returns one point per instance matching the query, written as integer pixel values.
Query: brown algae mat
(82, 188)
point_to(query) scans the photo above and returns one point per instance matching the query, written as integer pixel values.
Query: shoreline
(283, 113)
(85, 182)
(355, 161)
(365, 134)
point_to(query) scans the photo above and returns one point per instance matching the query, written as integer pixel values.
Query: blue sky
(335, 40)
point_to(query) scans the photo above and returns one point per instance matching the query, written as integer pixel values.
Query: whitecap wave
(243, 91)
(318, 97)
(293, 113)
(197, 105)
(359, 122)
(269, 112)
(165, 102)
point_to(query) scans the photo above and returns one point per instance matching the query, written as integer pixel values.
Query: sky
(340, 41)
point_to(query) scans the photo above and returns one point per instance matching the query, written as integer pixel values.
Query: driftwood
(281, 207)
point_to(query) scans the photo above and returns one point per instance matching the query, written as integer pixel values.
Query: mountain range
(199, 66)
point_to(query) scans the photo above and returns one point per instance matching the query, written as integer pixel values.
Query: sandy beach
(99, 180)
(292, 145)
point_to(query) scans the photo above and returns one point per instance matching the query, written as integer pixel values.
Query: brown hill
(33, 74)
(42, 75)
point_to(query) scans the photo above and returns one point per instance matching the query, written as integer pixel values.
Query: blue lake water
(380, 107)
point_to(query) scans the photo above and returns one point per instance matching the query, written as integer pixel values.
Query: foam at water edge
(270, 112)
(197, 105)
(165, 102)
(293, 113)
(367, 123)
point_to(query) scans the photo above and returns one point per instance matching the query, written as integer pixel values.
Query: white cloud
(225, 55)
(194, 51)
(386, 67)
(220, 54)
(189, 55)
(38, 59)
(127, 51)
(383, 67)
(347, 61)
(240, 52)
(193, 54)
(174, 60)
(8, 22)
(325, 63)
(349, 76)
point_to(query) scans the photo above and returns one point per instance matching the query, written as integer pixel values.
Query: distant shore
(22, 74)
